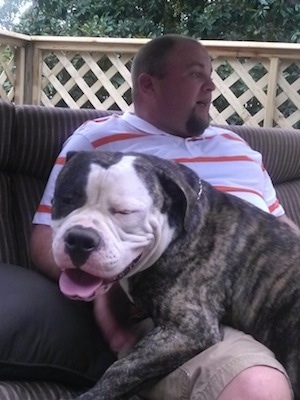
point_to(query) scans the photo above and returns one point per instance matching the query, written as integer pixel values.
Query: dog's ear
(181, 186)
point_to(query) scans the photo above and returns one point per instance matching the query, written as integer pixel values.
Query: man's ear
(70, 154)
(145, 84)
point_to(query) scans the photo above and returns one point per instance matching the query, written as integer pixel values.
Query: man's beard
(195, 125)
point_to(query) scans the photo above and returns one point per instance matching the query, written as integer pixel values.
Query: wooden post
(28, 73)
(271, 94)
(20, 75)
(36, 75)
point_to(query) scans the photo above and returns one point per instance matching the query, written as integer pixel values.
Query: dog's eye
(124, 212)
(121, 211)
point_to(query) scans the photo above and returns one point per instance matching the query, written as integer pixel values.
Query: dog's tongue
(79, 284)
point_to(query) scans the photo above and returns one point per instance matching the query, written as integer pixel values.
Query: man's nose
(210, 85)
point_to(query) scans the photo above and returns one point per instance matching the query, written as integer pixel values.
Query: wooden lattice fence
(6, 75)
(86, 79)
(256, 83)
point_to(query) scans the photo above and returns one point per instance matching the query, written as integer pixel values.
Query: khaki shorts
(205, 376)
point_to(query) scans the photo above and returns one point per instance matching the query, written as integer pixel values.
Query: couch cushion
(7, 119)
(8, 249)
(39, 133)
(288, 194)
(44, 335)
(7, 229)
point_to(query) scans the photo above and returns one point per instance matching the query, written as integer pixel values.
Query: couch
(30, 139)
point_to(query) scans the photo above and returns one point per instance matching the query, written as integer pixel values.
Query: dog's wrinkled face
(105, 224)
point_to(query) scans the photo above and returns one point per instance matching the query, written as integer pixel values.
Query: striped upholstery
(7, 113)
(30, 139)
(12, 390)
(7, 229)
(38, 391)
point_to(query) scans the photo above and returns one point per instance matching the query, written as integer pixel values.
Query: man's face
(183, 95)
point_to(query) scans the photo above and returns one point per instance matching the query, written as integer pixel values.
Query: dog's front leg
(156, 355)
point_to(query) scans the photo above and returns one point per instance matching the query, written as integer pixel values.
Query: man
(172, 89)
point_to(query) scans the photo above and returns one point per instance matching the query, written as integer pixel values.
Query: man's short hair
(152, 57)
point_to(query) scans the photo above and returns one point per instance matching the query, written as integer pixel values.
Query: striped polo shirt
(218, 156)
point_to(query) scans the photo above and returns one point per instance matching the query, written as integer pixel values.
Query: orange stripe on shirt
(237, 139)
(42, 208)
(212, 159)
(237, 189)
(60, 161)
(117, 137)
(273, 206)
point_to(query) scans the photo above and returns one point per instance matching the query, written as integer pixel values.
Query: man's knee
(258, 383)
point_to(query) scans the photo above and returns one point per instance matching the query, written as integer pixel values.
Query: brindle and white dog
(214, 259)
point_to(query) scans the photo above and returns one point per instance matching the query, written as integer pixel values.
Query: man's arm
(41, 251)
(285, 219)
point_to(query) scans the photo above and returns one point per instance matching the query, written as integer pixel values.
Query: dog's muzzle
(80, 243)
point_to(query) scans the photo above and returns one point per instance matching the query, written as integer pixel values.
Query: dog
(192, 257)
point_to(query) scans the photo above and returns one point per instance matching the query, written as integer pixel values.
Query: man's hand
(113, 312)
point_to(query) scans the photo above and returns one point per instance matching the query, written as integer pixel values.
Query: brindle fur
(229, 263)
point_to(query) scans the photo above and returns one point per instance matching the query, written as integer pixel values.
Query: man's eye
(196, 74)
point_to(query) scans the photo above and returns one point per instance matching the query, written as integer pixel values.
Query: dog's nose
(80, 242)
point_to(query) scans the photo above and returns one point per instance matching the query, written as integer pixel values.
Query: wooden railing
(257, 84)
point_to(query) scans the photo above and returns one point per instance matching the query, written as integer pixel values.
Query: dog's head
(114, 214)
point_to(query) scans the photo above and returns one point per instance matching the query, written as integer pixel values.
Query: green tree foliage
(9, 10)
(262, 20)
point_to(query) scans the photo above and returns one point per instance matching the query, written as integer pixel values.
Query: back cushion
(7, 228)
